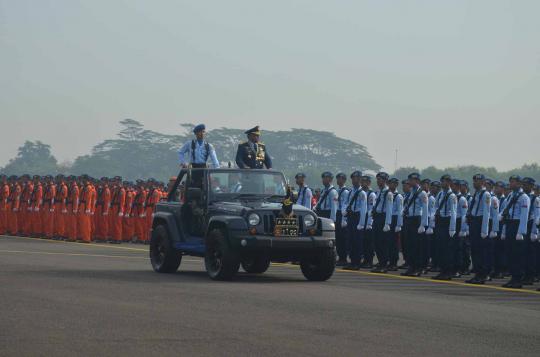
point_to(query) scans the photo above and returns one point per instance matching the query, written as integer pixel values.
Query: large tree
(33, 157)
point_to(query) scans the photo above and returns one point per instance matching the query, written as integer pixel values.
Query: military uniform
(354, 217)
(382, 221)
(252, 154)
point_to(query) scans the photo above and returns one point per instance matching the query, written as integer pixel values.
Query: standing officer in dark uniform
(252, 154)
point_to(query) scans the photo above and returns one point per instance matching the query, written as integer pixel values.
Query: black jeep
(233, 217)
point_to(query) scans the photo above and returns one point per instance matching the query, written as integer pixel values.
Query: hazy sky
(444, 82)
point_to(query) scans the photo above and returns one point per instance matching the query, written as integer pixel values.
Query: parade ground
(66, 299)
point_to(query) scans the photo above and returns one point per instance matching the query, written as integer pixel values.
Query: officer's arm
(537, 212)
(333, 196)
(464, 207)
(495, 220)
(425, 209)
(486, 213)
(389, 206)
(213, 157)
(400, 211)
(308, 197)
(239, 159)
(524, 201)
(362, 198)
(267, 160)
(369, 207)
(184, 150)
(453, 212)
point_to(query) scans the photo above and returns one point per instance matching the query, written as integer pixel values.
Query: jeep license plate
(286, 227)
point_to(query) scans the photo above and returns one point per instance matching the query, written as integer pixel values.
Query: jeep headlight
(254, 219)
(309, 220)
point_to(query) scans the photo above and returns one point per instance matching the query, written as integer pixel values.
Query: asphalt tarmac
(71, 299)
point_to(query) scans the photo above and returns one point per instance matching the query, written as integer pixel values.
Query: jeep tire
(255, 263)
(221, 260)
(164, 258)
(319, 266)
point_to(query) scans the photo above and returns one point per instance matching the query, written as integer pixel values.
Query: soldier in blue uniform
(198, 151)
(328, 202)
(499, 253)
(354, 217)
(397, 223)
(341, 232)
(415, 224)
(515, 217)
(368, 245)
(530, 255)
(304, 193)
(403, 233)
(382, 222)
(445, 228)
(253, 154)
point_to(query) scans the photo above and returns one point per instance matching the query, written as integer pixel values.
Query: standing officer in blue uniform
(328, 202)
(415, 223)
(354, 217)
(403, 233)
(197, 151)
(499, 253)
(445, 228)
(252, 154)
(478, 220)
(397, 223)
(530, 255)
(382, 222)
(369, 246)
(515, 217)
(493, 228)
(304, 193)
(341, 232)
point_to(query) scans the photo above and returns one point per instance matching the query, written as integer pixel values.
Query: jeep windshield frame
(242, 184)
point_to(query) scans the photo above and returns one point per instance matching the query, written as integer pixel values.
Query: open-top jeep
(234, 217)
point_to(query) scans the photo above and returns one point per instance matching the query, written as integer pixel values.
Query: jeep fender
(328, 228)
(228, 224)
(167, 219)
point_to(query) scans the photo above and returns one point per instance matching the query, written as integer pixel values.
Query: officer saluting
(252, 154)
(198, 150)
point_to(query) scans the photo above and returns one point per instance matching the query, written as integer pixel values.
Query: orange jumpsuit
(25, 214)
(15, 204)
(101, 216)
(118, 202)
(93, 200)
(128, 229)
(60, 210)
(153, 198)
(84, 224)
(139, 214)
(47, 215)
(72, 205)
(4, 206)
(37, 203)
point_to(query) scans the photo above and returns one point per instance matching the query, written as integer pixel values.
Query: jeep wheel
(220, 260)
(319, 266)
(164, 258)
(256, 264)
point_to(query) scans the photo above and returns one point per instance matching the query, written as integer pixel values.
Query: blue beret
(367, 178)
(479, 177)
(383, 175)
(464, 183)
(300, 174)
(446, 177)
(414, 175)
(327, 174)
(528, 180)
(426, 181)
(435, 183)
(490, 181)
(404, 182)
(356, 174)
(394, 180)
(341, 175)
(199, 127)
(515, 178)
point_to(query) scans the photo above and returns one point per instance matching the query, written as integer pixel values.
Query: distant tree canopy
(140, 153)
(34, 157)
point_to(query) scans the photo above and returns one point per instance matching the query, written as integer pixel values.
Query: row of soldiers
(439, 226)
(78, 207)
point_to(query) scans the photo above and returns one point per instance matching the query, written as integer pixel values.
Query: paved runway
(66, 299)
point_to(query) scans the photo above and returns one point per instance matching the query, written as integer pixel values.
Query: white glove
(343, 223)
(359, 227)
(120, 214)
(421, 230)
(461, 234)
(452, 234)
(534, 237)
(36, 209)
(500, 218)
(51, 210)
(503, 236)
(105, 213)
(143, 215)
(386, 228)
(64, 211)
(484, 235)
(87, 211)
(398, 229)
(29, 209)
(537, 221)
(429, 231)
(493, 234)
(519, 236)
(369, 227)
(75, 211)
(15, 210)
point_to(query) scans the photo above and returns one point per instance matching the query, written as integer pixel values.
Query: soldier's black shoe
(442, 276)
(392, 268)
(404, 266)
(527, 280)
(497, 275)
(366, 265)
(514, 285)
(352, 267)
(417, 273)
(456, 275)
(474, 280)
(379, 270)
(341, 263)
(435, 269)
(465, 272)
(409, 272)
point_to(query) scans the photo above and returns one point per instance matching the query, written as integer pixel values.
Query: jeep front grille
(269, 223)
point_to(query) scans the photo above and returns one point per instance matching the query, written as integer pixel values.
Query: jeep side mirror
(193, 194)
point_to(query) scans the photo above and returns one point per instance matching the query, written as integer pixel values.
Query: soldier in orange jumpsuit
(139, 211)
(84, 224)
(47, 215)
(4, 198)
(128, 229)
(60, 208)
(93, 200)
(103, 204)
(14, 206)
(118, 201)
(72, 205)
(154, 195)
(37, 203)
(25, 216)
